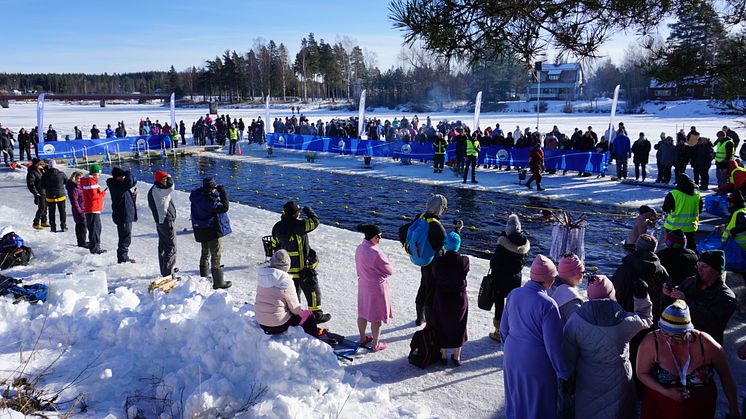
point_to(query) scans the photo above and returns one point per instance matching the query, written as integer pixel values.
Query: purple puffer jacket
(75, 195)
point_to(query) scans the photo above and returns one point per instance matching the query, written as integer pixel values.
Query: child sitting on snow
(277, 306)
(647, 218)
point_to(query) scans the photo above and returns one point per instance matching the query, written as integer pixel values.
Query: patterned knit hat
(675, 239)
(676, 319)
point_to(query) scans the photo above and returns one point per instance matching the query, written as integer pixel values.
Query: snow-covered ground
(204, 348)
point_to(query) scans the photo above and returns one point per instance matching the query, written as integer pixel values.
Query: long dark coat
(450, 304)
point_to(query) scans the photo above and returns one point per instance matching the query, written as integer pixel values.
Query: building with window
(558, 82)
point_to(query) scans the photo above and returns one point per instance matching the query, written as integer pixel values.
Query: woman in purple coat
(451, 305)
(533, 359)
(75, 194)
(373, 296)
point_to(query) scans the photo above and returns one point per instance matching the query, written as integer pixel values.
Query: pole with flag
(173, 110)
(361, 115)
(613, 114)
(266, 116)
(477, 109)
(40, 118)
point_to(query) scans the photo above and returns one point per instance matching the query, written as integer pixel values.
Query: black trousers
(640, 167)
(621, 168)
(41, 210)
(57, 206)
(24, 148)
(664, 173)
(124, 232)
(426, 291)
(80, 233)
(93, 223)
(438, 161)
(702, 176)
(309, 326)
(308, 282)
(470, 161)
(8, 157)
(166, 247)
(232, 147)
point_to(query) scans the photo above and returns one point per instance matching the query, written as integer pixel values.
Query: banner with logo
(581, 161)
(40, 117)
(102, 147)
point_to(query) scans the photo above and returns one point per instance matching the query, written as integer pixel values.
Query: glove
(308, 211)
(640, 289)
(220, 188)
(36, 199)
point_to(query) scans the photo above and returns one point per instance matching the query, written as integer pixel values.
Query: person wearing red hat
(164, 214)
(533, 357)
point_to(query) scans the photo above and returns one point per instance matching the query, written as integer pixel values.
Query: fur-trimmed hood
(516, 243)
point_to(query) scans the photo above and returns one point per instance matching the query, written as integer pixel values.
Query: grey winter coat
(596, 343)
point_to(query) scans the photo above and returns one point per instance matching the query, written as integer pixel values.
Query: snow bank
(198, 347)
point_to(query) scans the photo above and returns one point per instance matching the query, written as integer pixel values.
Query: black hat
(35, 161)
(116, 172)
(290, 208)
(714, 258)
(209, 183)
(370, 230)
(645, 209)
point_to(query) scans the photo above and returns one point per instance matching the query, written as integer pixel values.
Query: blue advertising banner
(581, 161)
(76, 149)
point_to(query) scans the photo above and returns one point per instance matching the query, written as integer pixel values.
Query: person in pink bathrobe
(373, 297)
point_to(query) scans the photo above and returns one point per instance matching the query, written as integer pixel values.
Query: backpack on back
(424, 350)
(417, 244)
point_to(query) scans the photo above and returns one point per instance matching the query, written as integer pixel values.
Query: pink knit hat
(570, 266)
(601, 288)
(543, 269)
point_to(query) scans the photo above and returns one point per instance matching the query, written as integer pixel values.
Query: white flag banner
(267, 122)
(477, 109)
(613, 112)
(40, 117)
(173, 111)
(361, 115)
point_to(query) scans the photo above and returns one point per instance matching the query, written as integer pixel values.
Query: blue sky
(135, 35)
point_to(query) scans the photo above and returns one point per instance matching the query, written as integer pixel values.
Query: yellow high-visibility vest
(685, 216)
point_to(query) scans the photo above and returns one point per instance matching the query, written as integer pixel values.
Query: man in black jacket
(164, 214)
(54, 185)
(291, 234)
(123, 209)
(36, 187)
(711, 302)
(6, 145)
(680, 262)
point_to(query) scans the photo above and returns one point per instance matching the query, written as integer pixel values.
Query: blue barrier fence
(78, 149)
(573, 160)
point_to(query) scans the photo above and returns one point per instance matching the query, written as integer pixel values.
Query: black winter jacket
(123, 208)
(34, 182)
(710, 308)
(509, 257)
(291, 234)
(640, 265)
(54, 183)
(680, 263)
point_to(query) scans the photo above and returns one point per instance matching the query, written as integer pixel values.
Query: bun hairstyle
(369, 230)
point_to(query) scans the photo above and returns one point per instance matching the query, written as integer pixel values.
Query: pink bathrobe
(373, 272)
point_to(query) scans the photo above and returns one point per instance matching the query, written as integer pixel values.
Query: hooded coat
(75, 195)
(596, 345)
(450, 302)
(209, 211)
(644, 265)
(54, 183)
(276, 298)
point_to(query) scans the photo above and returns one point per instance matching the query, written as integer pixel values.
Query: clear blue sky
(70, 36)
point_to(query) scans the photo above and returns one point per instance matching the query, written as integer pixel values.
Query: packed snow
(200, 350)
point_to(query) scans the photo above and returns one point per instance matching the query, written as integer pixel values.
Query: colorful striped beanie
(676, 319)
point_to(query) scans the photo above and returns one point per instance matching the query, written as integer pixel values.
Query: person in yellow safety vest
(233, 137)
(472, 152)
(736, 227)
(723, 155)
(439, 155)
(682, 206)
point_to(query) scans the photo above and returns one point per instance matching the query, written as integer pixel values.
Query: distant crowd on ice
(649, 337)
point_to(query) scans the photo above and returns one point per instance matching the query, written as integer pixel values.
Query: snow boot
(204, 271)
(496, 334)
(217, 279)
(321, 317)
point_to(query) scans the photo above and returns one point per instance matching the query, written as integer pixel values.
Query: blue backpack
(417, 245)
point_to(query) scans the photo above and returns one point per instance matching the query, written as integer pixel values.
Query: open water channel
(348, 200)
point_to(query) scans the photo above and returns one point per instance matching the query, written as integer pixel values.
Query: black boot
(421, 314)
(217, 279)
(321, 317)
(204, 271)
